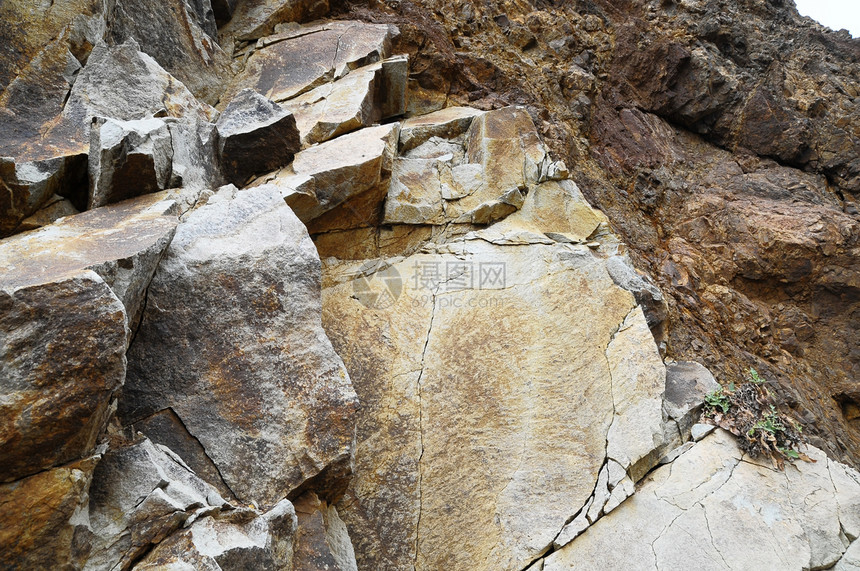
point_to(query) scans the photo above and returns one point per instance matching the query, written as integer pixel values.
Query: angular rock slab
(173, 34)
(328, 175)
(687, 383)
(239, 539)
(119, 82)
(485, 387)
(122, 243)
(448, 123)
(691, 514)
(127, 159)
(255, 136)
(26, 187)
(296, 61)
(37, 527)
(362, 98)
(139, 495)
(70, 300)
(252, 19)
(231, 340)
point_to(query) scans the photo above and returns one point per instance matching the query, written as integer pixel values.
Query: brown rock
(321, 541)
(37, 530)
(252, 19)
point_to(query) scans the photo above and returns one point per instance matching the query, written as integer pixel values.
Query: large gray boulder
(231, 340)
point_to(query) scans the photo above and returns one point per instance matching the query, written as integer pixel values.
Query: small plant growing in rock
(749, 412)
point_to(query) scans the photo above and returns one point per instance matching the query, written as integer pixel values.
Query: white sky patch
(835, 14)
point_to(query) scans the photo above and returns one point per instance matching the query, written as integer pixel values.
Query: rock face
(724, 154)
(231, 342)
(476, 484)
(403, 337)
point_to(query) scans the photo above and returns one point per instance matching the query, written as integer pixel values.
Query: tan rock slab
(327, 175)
(484, 486)
(448, 123)
(290, 63)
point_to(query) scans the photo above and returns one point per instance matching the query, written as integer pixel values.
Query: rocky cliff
(298, 284)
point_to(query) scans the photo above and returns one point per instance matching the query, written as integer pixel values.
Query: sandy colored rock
(552, 208)
(692, 512)
(638, 384)
(481, 478)
(127, 159)
(294, 62)
(325, 176)
(38, 518)
(231, 341)
(255, 136)
(415, 193)
(446, 123)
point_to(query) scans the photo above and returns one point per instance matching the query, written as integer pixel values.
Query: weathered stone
(294, 62)
(57, 207)
(491, 483)
(139, 495)
(337, 108)
(692, 512)
(60, 372)
(166, 429)
(550, 208)
(415, 193)
(62, 357)
(240, 539)
(687, 383)
(699, 431)
(127, 159)
(122, 243)
(447, 123)
(39, 518)
(174, 33)
(231, 341)
(638, 383)
(328, 175)
(256, 136)
(118, 82)
(196, 162)
(255, 18)
(321, 541)
(27, 187)
(506, 143)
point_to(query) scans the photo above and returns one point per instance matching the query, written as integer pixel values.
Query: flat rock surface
(692, 512)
